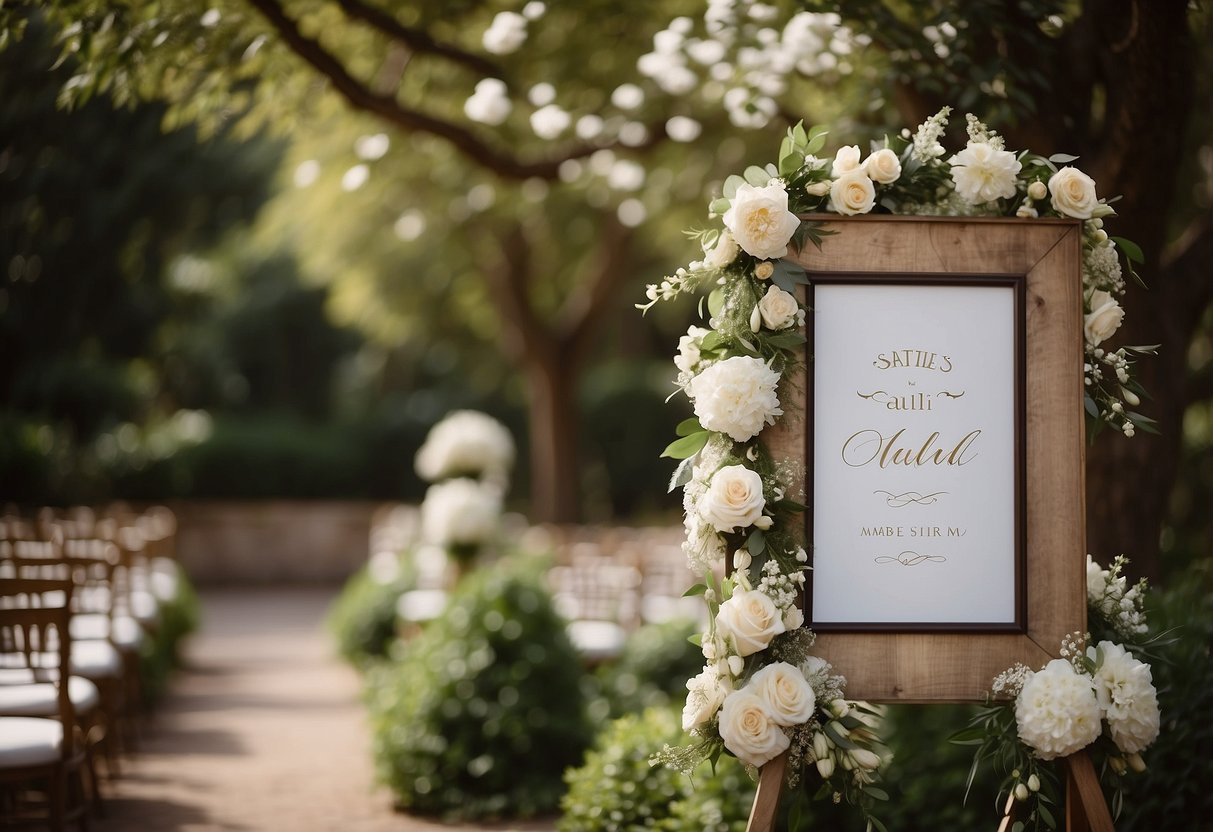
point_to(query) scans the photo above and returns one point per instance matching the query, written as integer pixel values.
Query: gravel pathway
(262, 730)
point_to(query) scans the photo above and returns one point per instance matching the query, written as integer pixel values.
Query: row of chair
(80, 590)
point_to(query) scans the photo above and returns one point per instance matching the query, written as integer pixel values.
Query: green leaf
(687, 446)
(682, 474)
(731, 184)
(790, 163)
(1092, 408)
(688, 426)
(839, 739)
(720, 206)
(715, 302)
(756, 542)
(798, 134)
(698, 589)
(879, 794)
(1018, 826)
(710, 341)
(696, 639)
(1131, 249)
(875, 822)
(1062, 158)
(786, 340)
(756, 176)
(1046, 816)
(817, 140)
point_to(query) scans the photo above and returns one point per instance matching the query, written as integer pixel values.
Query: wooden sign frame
(924, 667)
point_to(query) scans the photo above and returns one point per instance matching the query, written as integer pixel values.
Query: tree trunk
(555, 480)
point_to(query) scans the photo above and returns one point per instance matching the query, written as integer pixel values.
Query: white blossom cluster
(1109, 595)
(466, 443)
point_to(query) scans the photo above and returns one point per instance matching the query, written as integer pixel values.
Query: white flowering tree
(611, 115)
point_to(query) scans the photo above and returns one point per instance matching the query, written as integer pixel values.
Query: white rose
(1073, 193)
(1037, 190)
(789, 697)
(818, 188)
(733, 500)
(1125, 690)
(723, 253)
(983, 174)
(760, 220)
(883, 166)
(778, 308)
(749, 620)
(1056, 712)
(793, 619)
(736, 396)
(1103, 320)
(705, 693)
(845, 161)
(748, 730)
(852, 193)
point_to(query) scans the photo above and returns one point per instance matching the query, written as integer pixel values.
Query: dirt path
(263, 730)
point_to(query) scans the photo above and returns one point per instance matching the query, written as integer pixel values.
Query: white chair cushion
(124, 630)
(42, 699)
(597, 640)
(96, 660)
(164, 582)
(89, 626)
(29, 741)
(144, 607)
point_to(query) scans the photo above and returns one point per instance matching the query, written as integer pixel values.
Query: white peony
(723, 253)
(760, 220)
(1104, 318)
(1073, 193)
(705, 693)
(733, 500)
(466, 443)
(1056, 712)
(688, 349)
(748, 730)
(460, 512)
(845, 161)
(779, 309)
(852, 193)
(749, 619)
(788, 695)
(983, 173)
(1125, 690)
(883, 166)
(736, 396)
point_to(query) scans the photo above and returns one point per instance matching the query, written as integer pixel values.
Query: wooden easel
(1086, 810)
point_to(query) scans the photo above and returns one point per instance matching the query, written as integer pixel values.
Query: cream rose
(789, 697)
(1103, 320)
(733, 500)
(779, 309)
(883, 166)
(748, 730)
(852, 193)
(760, 220)
(845, 161)
(723, 253)
(749, 620)
(1073, 193)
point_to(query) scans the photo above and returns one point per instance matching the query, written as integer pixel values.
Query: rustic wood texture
(766, 800)
(901, 667)
(1086, 809)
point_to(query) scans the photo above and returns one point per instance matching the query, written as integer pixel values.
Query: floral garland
(761, 691)
(1098, 695)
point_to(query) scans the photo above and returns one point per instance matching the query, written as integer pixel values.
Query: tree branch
(387, 107)
(417, 39)
(584, 309)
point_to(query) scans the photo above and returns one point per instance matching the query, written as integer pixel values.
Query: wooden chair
(40, 756)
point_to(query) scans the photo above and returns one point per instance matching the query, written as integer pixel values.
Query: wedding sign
(916, 453)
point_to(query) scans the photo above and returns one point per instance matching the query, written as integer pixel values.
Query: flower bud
(865, 758)
(764, 270)
(1034, 783)
(1037, 190)
(709, 650)
(818, 188)
(1118, 764)
(741, 559)
(764, 522)
(821, 745)
(1137, 763)
(736, 665)
(838, 708)
(840, 729)
(1103, 210)
(825, 767)
(1021, 792)
(1099, 235)
(1130, 397)
(755, 320)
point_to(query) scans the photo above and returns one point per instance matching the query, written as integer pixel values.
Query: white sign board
(916, 398)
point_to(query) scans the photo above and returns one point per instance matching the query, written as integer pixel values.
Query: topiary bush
(363, 617)
(484, 711)
(616, 788)
(652, 670)
(161, 654)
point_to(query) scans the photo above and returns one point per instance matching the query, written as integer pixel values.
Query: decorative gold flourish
(910, 558)
(950, 395)
(907, 497)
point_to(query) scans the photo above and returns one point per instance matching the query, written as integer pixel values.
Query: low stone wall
(272, 542)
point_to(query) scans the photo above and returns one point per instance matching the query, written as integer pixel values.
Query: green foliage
(484, 711)
(162, 654)
(363, 618)
(617, 789)
(653, 668)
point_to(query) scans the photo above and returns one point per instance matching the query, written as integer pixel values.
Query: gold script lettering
(867, 446)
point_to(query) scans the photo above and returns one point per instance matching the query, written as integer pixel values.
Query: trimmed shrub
(363, 617)
(616, 788)
(484, 711)
(652, 670)
(162, 653)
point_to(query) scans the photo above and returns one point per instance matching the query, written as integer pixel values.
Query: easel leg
(1086, 809)
(766, 800)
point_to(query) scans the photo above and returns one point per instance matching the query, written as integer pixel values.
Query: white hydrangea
(736, 396)
(688, 357)
(466, 443)
(460, 513)
(1122, 606)
(1125, 690)
(982, 173)
(1056, 712)
(1101, 268)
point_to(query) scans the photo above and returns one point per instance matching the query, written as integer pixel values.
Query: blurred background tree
(508, 179)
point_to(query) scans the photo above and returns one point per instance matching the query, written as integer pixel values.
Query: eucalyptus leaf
(720, 206)
(715, 302)
(687, 446)
(688, 426)
(756, 543)
(1062, 158)
(682, 474)
(756, 176)
(731, 184)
